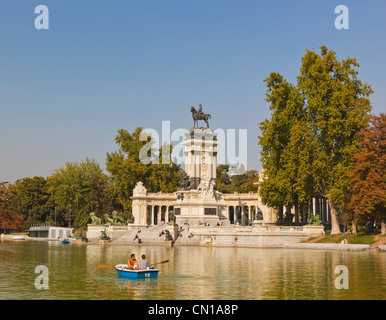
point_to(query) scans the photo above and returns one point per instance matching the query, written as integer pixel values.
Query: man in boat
(132, 263)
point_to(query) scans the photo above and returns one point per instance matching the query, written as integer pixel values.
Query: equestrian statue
(199, 115)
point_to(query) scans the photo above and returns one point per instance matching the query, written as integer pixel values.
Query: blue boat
(135, 274)
(65, 241)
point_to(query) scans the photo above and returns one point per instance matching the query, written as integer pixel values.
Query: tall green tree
(31, 200)
(79, 188)
(313, 131)
(138, 159)
(285, 147)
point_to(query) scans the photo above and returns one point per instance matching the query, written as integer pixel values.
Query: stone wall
(236, 236)
(259, 236)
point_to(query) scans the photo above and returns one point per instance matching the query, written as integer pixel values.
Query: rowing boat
(135, 274)
(65, 241)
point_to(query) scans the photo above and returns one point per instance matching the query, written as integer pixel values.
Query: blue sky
(106, 65)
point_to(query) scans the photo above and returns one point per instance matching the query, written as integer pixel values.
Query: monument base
(173, 229)
(136, 226)
(193, 207)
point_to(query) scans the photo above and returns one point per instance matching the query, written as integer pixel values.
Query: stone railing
(242, 196)
(307, 229)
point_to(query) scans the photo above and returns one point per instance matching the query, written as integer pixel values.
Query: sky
(109, 65)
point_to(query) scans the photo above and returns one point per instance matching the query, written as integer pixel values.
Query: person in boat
(132, 264)
(143, 262)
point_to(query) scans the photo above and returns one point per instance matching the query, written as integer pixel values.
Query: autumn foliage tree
(9, 219)
(368, 178)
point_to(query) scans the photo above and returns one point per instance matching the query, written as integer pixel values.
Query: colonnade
(157, 213)
(317, 206)
(246, 214)
(242, 215)
(320, 206)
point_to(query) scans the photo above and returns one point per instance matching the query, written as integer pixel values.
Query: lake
(191, 273)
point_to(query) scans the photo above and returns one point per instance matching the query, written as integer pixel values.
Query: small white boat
(18, 238)
(135, 274)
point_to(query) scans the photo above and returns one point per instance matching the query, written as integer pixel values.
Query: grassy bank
(358, 238)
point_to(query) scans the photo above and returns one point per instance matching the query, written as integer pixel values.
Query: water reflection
(192, 273)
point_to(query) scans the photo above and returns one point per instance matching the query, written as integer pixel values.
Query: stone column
(324, 210)
(159, 213)
(152, 215)
(313, 206)
(243, 215)
(310, 208)
(167, 214)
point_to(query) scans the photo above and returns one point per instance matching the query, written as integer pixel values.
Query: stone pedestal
(195, 207)
(198, 199)
(94, 232)
(200, 147)
(116, 231)
(173, 229)
(168, 243)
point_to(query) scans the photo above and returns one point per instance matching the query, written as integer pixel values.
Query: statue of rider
(200, 110)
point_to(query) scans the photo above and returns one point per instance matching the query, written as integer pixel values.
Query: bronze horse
(199, 116)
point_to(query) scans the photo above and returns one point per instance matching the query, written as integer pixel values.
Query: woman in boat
(143, 262)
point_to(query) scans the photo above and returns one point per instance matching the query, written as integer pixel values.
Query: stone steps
(378, 243)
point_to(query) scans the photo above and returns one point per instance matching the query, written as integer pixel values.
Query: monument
(197, 197)
(245, 220)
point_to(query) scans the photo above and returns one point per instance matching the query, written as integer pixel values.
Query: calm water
(192, 273)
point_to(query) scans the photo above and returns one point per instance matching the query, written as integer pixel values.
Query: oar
(102, 266)
(159, 263)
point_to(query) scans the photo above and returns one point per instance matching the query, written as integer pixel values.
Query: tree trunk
(335, 229)
(354, 227)
(370, 225)
(383, 226)
(280, 215)
(383, 219)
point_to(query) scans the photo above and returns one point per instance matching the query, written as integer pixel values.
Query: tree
(137, 159)
(31, 200)
(79, 189)
(9, 220)
(309, 143)
(228, 183)
(223, 183)
(286, 144)
(368, 180)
